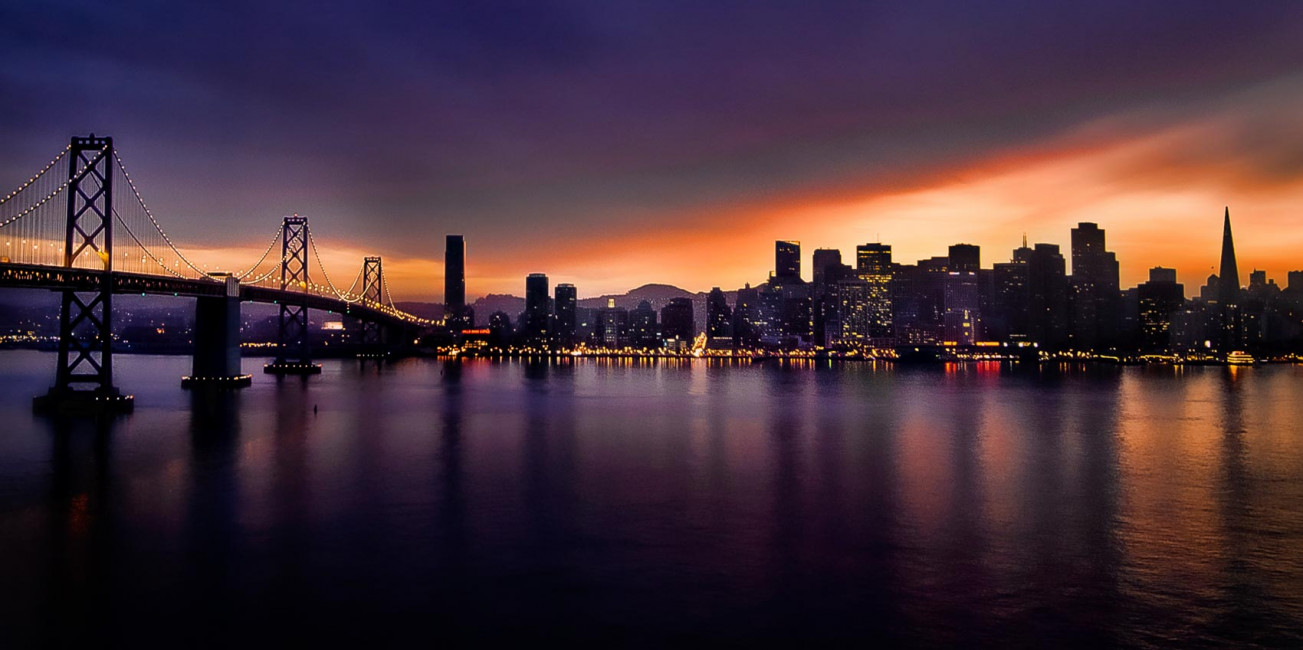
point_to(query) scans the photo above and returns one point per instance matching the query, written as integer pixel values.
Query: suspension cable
(159, 228)
(62, 186)
(317, 253)
(265, 253)
(143, 247)
(37, 176)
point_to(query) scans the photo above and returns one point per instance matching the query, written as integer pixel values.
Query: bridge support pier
(217, 342)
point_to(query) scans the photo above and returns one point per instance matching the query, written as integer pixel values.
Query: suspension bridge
(80, 226)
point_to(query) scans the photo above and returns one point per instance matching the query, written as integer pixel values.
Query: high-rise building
(500, 333)
(965, 257)
(1047, 290)
(787, 260)
(850, 318)
(1159, 299)
(962, 307)
(454, 283)
(613, 326)
(676, 320)
(1228, 292)
(644, 332)
(873, 266)
(719, 318)
(1094, 290)
(536, 327)
(747, 319)
(566, 306)
(823, 259)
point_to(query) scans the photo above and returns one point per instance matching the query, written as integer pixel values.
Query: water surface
(649, 503)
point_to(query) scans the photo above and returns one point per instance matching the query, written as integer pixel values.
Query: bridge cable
(203, 274)
(38, 175)
(265, 253)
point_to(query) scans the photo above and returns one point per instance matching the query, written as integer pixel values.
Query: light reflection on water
(644, 502)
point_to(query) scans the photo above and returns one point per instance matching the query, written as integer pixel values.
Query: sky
(612, 144)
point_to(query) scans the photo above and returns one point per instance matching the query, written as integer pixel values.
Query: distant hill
(484, 307)
(658, 295)
(431, 310)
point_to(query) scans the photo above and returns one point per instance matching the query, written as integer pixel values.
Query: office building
(565, 324)
(454, 283)
(536, 327)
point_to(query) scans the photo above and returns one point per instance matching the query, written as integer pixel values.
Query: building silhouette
(1228, 292)
(536, 328)
(644, 330)
(455, 311)
(618, 328)
(566, 321)
(719, 318)
(1094, 290)
(1158, 300)
(676, 321)
(787, 260)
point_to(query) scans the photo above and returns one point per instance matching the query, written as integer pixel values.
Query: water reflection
(659, 502)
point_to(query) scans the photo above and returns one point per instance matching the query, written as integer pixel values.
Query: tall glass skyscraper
(536, 310)
(566, 308)
(454, 282)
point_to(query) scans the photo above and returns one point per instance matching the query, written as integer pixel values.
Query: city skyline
(618, 145)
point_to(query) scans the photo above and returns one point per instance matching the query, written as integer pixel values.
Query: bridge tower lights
(372, 337)
(86, 313)
(293, 355)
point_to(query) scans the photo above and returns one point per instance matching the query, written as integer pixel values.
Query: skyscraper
(1228, 291)
(676, 320)
(566, 321)
(1159, 299)
(965, 257)
(535, 327)
(643, 330)
(454, 282)
(1047, 290)
(823, 259)
(1094, 290)
(719, 318)
(787, 260)
(873, 266)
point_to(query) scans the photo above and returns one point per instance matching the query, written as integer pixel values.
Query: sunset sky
(613, 143)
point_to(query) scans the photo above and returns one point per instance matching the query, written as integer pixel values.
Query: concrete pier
(217, 341)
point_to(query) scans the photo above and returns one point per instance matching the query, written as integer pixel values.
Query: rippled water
(644, 504)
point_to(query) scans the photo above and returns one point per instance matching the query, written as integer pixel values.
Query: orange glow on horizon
(1158, 193)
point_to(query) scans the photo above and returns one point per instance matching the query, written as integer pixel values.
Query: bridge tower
(86, 313)
(293, 357)
(372, 337)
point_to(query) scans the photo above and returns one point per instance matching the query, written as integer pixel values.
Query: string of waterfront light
(880, 306)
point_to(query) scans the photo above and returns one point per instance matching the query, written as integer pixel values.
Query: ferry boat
(1240, 358)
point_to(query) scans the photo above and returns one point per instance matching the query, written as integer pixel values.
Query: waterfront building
(613, 325)
(1158, 300)
(873, 266)
(719, 318)
(455, 311)
(536, 327)
(566, 322)
(1228, 292)
(1047, 291)
(676, 321)
(1094, 290)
